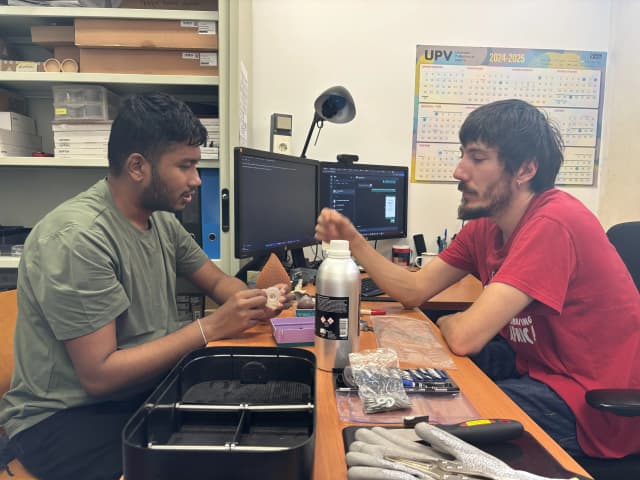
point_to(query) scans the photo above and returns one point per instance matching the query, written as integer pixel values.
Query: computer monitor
(275, 202)
(373, 197)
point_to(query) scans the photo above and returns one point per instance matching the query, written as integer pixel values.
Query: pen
(367, 311)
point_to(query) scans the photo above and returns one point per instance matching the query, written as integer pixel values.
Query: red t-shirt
(582, 331)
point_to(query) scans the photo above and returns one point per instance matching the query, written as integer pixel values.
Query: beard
(496, 198)
(156, 196)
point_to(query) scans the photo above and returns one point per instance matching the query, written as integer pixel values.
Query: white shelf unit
(9, 262)
(15, 24)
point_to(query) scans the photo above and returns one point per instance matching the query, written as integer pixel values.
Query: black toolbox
(227, 413)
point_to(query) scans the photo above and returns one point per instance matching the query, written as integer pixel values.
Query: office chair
(8, 314)
(624, 402)
(626, 238)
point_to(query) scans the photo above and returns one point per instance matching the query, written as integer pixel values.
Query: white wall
(302, 47)
(619, 195)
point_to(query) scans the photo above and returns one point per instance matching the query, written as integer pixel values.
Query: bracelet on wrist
(204, 337)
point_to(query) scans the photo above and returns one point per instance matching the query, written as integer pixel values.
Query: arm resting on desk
(467, 332)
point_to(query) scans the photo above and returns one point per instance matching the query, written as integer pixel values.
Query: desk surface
(458, 296)
(486, 397)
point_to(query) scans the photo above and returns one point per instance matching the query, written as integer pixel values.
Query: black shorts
(82, 442)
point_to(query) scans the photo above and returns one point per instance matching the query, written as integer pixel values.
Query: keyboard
(369, 288)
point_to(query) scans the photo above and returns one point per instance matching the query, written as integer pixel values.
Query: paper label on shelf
(190, 55)
(209, 59)
(209, 153)
(206, 27)
(27, 67)
(61, 110)
(188, 23)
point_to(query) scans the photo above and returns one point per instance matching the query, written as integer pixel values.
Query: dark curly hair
(520, 132)
(150, 124)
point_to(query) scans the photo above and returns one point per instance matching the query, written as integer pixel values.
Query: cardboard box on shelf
(65, 52)
(171, 4)
(20, 66)
(159, 62)
(52, 34)
(12, 102)
(138, 33)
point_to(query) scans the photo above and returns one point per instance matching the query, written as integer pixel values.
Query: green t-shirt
(83, 266)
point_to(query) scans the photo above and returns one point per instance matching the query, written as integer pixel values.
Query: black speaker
(418, 240)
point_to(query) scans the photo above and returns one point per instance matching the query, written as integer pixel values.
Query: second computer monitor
(373, 197)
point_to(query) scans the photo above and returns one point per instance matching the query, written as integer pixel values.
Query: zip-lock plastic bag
(378, 377)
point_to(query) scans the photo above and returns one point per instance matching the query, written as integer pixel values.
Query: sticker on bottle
(332, 317)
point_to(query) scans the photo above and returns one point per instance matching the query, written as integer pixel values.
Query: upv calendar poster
(452, 81)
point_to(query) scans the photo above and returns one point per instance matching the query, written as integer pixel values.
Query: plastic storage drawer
(78, 103)
(227, 413)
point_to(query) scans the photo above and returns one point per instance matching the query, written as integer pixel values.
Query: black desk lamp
(334, 105)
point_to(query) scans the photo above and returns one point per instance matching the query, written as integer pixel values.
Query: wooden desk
(486, 397)
(458, 296)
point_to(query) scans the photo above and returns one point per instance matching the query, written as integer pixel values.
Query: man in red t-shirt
(559, 314)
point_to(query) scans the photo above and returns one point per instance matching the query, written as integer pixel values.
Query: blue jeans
(537, 399)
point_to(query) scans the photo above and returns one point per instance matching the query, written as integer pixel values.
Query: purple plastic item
(293, 331)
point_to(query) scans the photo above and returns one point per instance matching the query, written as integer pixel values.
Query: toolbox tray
(227, 413)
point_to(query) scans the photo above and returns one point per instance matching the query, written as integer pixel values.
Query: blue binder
(210, 211)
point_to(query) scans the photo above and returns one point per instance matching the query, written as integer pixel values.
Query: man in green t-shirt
(97, 322)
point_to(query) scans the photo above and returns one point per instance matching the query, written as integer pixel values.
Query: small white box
(16, 122)
(7, 150)
(20, 139)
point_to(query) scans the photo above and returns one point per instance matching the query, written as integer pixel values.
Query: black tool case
(227, 413)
